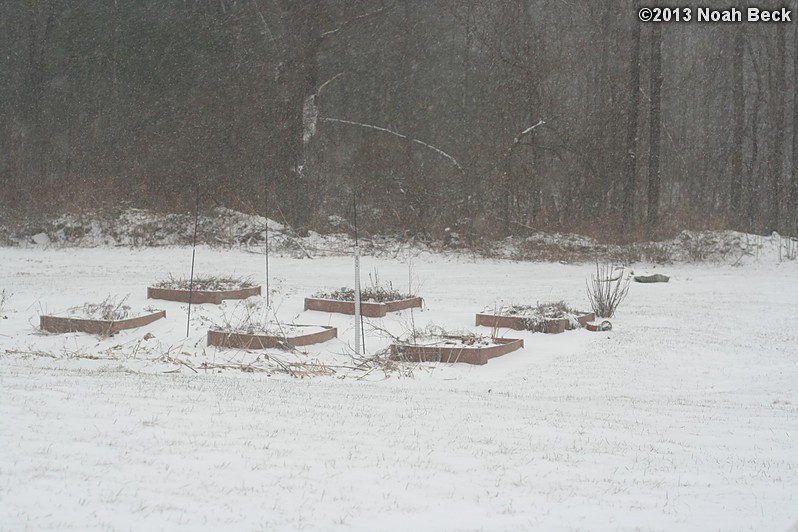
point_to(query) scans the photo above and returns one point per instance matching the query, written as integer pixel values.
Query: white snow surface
(683, 417)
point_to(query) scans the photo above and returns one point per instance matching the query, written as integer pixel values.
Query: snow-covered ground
(683, 417)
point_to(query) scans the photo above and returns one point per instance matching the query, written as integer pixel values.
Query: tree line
(484, 118)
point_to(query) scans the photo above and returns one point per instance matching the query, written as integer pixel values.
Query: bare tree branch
(394, 133)
(356, 19)
(263, 20)
(517, 140)
(332, 79)
(527, 131)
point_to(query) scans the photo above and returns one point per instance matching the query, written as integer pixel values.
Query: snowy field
(683, 417)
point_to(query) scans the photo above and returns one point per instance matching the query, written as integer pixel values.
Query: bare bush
(607, 289)
(110, 309)
(248, 316)
(4, 297)
(788, 248)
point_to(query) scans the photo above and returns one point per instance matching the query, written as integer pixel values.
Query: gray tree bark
(655, 120)
(777, 137)
(738, 108)
(630, 182)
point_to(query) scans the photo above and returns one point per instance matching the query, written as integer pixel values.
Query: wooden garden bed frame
(478, 355)
(264, 341)
(201, 296)
(58, 324)
(367, 308)
(518, 323)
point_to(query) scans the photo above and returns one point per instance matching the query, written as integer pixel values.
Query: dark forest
(489, 118)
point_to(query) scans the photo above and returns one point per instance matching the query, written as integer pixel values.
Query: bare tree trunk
(41, 22)
(298, 76)
(738, 108)
(752, 185)
(299, 80)
(654, 126)
(793, 197)
(468, 182)
(628, 205)
(776, 166)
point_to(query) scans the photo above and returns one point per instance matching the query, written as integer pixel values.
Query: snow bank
(226, 228)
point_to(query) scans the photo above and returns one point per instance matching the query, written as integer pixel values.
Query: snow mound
(722, 247)
(223, 227)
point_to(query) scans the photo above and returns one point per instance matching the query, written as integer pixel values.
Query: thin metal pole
(193, 255)
(266, 256)
(358, 318)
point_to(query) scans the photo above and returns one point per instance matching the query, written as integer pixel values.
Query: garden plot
(203, 289)
(376, 301)
(553, 318)
(464, 348)
(249, 326)
(683, 417)
(106, 318)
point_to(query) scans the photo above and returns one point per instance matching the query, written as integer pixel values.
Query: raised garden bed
(551, 318)
(286, 336)
(367, 308)
(59, 324)
(376, 302)
(449, 349)
(203, 290)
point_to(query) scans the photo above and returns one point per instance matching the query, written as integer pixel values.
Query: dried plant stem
(606, 292)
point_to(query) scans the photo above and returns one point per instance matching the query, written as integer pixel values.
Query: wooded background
(488, 118)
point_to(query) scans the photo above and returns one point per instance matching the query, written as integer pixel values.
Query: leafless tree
(655, 122)
(632, 109)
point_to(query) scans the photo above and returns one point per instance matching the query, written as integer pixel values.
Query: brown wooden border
(585, 318)
(201, 296)
(367, 309)
(553, 326)
(59, 324)
(259, 341)
(450, 355)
